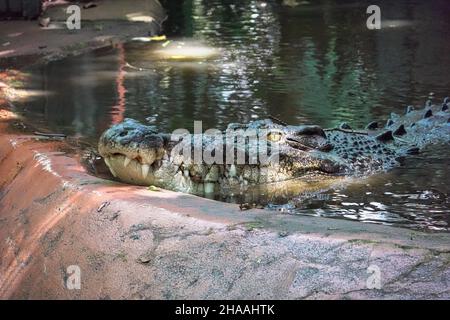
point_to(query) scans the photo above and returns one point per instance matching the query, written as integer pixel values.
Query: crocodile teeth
(126, 162)
(113, 172)
(108, 163)
(145, 168)
(186, 173)
(232, 172)
(209, 187)
(213, 174)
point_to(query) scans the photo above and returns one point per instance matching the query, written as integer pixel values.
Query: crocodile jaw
(132, 171)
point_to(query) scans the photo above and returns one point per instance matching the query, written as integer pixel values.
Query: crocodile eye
(274, 136)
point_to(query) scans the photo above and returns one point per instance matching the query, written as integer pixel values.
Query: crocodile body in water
(140, 154)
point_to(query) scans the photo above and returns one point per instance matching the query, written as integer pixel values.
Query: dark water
(311, 63)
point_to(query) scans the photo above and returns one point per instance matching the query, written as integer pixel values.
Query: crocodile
(142, 155)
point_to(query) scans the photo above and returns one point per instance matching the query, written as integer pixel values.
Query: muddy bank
(107, 24)
(130, 242)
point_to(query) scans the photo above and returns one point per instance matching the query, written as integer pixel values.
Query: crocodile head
(140, 154)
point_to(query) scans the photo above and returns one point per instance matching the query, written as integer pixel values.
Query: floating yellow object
(148, 39)
(188, 51)
(158, 38)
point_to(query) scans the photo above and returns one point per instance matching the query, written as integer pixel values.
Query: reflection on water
(310, 62)
(415, 195)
